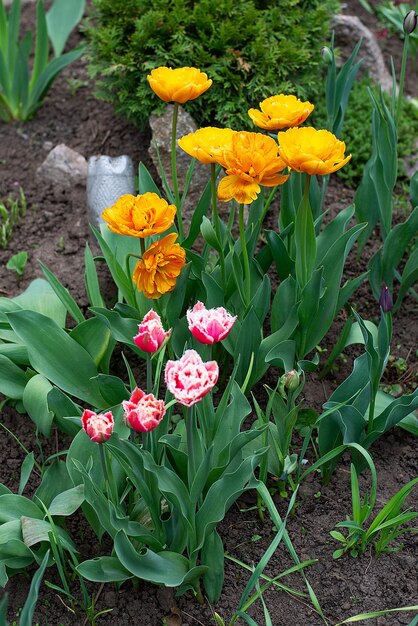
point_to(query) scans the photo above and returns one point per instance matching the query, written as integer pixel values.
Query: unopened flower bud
(291, 380)
(385, 300)
(326, 55)
(410, 22)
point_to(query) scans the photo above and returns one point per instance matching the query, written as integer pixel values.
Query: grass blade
(363, 616)
(29, 608)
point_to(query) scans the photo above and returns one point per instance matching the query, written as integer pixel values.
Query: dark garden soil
(54, 231)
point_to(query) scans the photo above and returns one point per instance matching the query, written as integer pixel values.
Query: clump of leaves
(17, 263)
(12, 210)
(250, 49)
(356, 131)
(385, 527)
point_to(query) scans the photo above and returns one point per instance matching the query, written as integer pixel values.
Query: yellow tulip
(207, 145)
(312, 151)
(157, 272)
(281, 111)
(140, 216)
(252, 161)
(178, 85)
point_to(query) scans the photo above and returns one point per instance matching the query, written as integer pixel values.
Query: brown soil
(54, 231)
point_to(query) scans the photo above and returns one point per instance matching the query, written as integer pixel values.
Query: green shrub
(250, 48)
(356, 131)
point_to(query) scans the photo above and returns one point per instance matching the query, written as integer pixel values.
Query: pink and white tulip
(98, 426)
(189, 378)
(151, 334)
(143, 412)
(209, 325)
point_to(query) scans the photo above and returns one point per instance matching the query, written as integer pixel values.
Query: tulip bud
(385, 300)
(410, 22)
(326, 55)
(98, 426)
(291, 380)
(151, 334)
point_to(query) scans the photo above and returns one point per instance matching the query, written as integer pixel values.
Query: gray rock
(411, 162)
(161, 141)
(63, 167)
(348, 30)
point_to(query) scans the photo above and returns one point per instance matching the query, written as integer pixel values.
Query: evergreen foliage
(251, 49)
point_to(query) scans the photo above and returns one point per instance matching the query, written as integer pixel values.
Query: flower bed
(344, 587)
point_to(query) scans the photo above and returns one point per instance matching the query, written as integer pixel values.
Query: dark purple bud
(385, 300)
(410, 22)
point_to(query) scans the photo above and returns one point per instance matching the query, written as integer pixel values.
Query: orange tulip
(178, 85)
(156, 273)
(140, 216)
(281, 111)
(207, 144)
(312, 151)
(252, 161)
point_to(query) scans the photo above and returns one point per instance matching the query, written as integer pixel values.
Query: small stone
(348, 30)
(161, 141)
(411, 162)
(63, 167)
(47, 145)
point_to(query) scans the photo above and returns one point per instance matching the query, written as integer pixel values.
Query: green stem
(149, 374)
(402, 79)
(174, 170)
(103, 462)
(216, 222)
(191, 458)
(268, 203)
(128, 256)
(247, 276)
(371, 412)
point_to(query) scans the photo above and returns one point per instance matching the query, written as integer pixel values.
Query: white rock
(63, 167)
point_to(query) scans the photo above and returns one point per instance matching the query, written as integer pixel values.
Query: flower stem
(190, 426)
(402, 79)
(267, 204)
(149, 374)
(103, 462)
(247, 277)
(174, 170)
(216, 222)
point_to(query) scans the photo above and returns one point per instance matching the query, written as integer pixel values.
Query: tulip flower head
(143, 412)
(151, 334)
(385, 300)
(98, 426)
(207, 145)
(178, 85)
(189, 379)
(281, 111)
(410, 22)
(140, 216)
(312, 151)
(157, 272)
(209, 325)
(252, 161)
